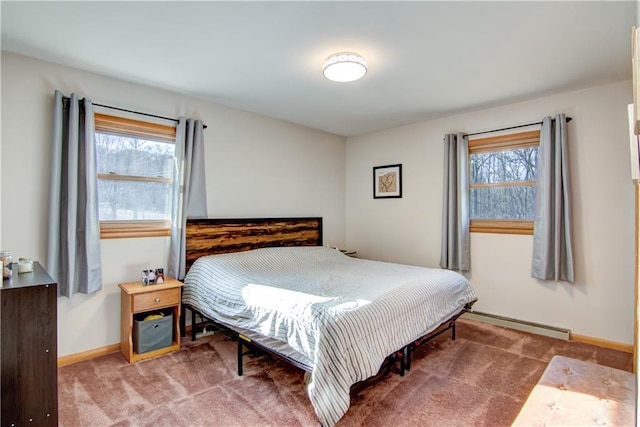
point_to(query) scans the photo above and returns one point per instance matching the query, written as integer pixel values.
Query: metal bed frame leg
(193, 325)
(407, 356)
(239, 357)
(405, 353)
(183, 321)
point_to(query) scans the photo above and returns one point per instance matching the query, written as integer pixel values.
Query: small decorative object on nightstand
(349, 253)
(137, 298)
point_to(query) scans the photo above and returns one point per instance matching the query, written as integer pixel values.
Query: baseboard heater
(521, 325)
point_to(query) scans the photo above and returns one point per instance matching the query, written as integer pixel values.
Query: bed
(339, 318)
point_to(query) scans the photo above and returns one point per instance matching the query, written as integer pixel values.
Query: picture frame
(387, 182)
(152, 276)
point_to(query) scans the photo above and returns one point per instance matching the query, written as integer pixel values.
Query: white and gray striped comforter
(344, 314)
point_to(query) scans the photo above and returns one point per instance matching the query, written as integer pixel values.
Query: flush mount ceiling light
(344, 67)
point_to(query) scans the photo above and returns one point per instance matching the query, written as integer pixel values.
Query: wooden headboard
(219, 236)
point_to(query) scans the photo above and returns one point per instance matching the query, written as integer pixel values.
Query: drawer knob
(157, 299)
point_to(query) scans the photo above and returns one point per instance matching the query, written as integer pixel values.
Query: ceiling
(426, 59)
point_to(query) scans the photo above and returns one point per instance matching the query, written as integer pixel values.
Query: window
(135, 177)
(502, 183)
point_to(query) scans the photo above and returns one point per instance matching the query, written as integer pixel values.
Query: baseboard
(89, 354)
(96, 352)
(545, 330)
(521, 325)
(627, 348)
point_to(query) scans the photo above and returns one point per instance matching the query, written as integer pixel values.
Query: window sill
(133, 229)
(501, 227)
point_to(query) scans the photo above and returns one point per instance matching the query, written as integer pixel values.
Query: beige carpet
(480, 379)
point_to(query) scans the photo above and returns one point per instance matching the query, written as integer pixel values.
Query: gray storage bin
(149, 335)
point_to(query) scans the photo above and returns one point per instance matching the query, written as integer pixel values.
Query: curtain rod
(512, 127)
(66, 98)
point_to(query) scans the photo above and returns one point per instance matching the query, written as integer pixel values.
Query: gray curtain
(552, 249)
(189, 190)
(73, 250)
(455, 204)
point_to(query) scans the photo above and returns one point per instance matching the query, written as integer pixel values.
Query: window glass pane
(124, 155)
(134, 200)
(504, 166)
(516, 202)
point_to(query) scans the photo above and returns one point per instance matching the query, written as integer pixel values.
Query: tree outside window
(135, 177)
(502, 183)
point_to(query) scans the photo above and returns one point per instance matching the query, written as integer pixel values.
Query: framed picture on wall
(387, 182)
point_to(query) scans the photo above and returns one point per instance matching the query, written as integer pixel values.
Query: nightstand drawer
(156, 299)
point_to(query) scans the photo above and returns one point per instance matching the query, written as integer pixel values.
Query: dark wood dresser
(28, 352)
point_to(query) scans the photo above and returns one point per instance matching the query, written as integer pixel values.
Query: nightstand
(138, 298)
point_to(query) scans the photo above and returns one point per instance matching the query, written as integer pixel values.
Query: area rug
(480, 379)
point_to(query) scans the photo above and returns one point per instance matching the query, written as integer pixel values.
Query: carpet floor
(480, 379)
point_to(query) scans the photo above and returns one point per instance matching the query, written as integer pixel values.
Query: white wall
(259, 166)
(600, 303)
(256, 167)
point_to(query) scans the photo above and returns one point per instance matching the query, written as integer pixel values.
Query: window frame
(507, 142)
(119, 229)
